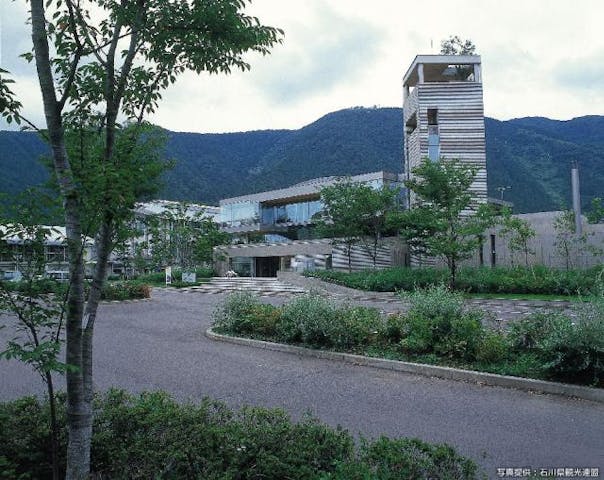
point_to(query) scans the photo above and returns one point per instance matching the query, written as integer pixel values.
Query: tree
(183, 236)
(444, 221)
(454, 45)
(596, 212)
(569, 244)
(37, 306)
(518, 233)
(337, 219)
(355, 213)
(107, 63)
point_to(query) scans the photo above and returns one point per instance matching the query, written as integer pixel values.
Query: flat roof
(434, 64)
(307, 189)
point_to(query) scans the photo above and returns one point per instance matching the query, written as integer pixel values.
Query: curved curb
(121, 302)
(529, 385)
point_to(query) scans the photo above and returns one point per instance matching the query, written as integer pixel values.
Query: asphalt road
(159, 344)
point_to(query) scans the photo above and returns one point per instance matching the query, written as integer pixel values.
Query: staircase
(258, 285)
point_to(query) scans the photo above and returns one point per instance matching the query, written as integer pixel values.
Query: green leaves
(444, 220)
(9, 105)
(357, 213)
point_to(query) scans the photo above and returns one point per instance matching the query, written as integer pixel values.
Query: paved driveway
(159, 344)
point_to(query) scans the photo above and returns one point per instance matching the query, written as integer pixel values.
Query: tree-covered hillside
(532, 155)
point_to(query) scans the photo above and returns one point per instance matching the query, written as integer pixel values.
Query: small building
(274, 230)
(17, 256)
(444, 115)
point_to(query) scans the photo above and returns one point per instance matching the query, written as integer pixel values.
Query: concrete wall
(544, 245)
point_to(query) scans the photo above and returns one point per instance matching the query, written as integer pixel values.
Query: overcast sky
(540, 58)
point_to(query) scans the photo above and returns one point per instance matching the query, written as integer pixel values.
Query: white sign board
(189, 277)
(168, 275)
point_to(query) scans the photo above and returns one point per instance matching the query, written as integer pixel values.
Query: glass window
(433, 143)
(240, 213)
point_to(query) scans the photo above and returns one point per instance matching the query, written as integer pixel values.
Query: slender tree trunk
(54, 427)
(349, 252)
(453, 272)
(79, 415)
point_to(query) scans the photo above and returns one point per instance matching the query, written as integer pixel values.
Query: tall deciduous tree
(183, 236)
(355, 213)
(444, 221)
(97, 62)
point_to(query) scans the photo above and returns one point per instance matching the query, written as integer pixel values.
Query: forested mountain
(532, 155)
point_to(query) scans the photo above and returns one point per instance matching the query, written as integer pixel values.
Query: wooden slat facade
(460, 126)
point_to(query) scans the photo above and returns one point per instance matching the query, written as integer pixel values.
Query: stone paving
(292, 284)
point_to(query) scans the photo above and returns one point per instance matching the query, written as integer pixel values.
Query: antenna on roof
(431, 45)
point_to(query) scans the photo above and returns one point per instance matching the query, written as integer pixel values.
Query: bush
(568, 349)
(394, 329)
(159, 278)
(152, 436)
(527, 332)
(574, 351)
(528, 280)
(234, 315)
(308, 319)
(492, 348)
(356, 327)
(125, 291)
(387, 459)
(315, 321)
(38, 286)
(438, 322)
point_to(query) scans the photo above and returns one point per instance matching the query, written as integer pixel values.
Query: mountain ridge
(531, 154)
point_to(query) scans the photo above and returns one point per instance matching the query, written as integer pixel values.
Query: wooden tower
(444, 115)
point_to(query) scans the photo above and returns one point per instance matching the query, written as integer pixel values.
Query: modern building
(444, 115)
(274, 230)
(17, 257)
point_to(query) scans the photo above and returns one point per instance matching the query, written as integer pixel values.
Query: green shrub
(356, 327)
(465, 335)
(569, 349)
(395, 328)
(527, 280)
(308, 319)
(152, 436)
(387, 459)
(37, 286)
(316, 321)
(492, 348)
(265, 318)
(574, 351)
(125, 291)
(235, 314)
(438, 322)
(527, 332)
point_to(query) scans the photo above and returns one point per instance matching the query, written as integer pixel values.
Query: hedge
(152, 436)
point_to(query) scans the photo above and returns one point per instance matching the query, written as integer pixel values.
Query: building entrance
(267, 266)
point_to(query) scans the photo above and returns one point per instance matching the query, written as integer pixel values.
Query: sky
(539, 57)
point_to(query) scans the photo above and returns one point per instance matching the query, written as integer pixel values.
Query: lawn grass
(524, 296)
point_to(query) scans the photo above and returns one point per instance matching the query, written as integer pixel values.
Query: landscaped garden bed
(438, 329)
(537, 280)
